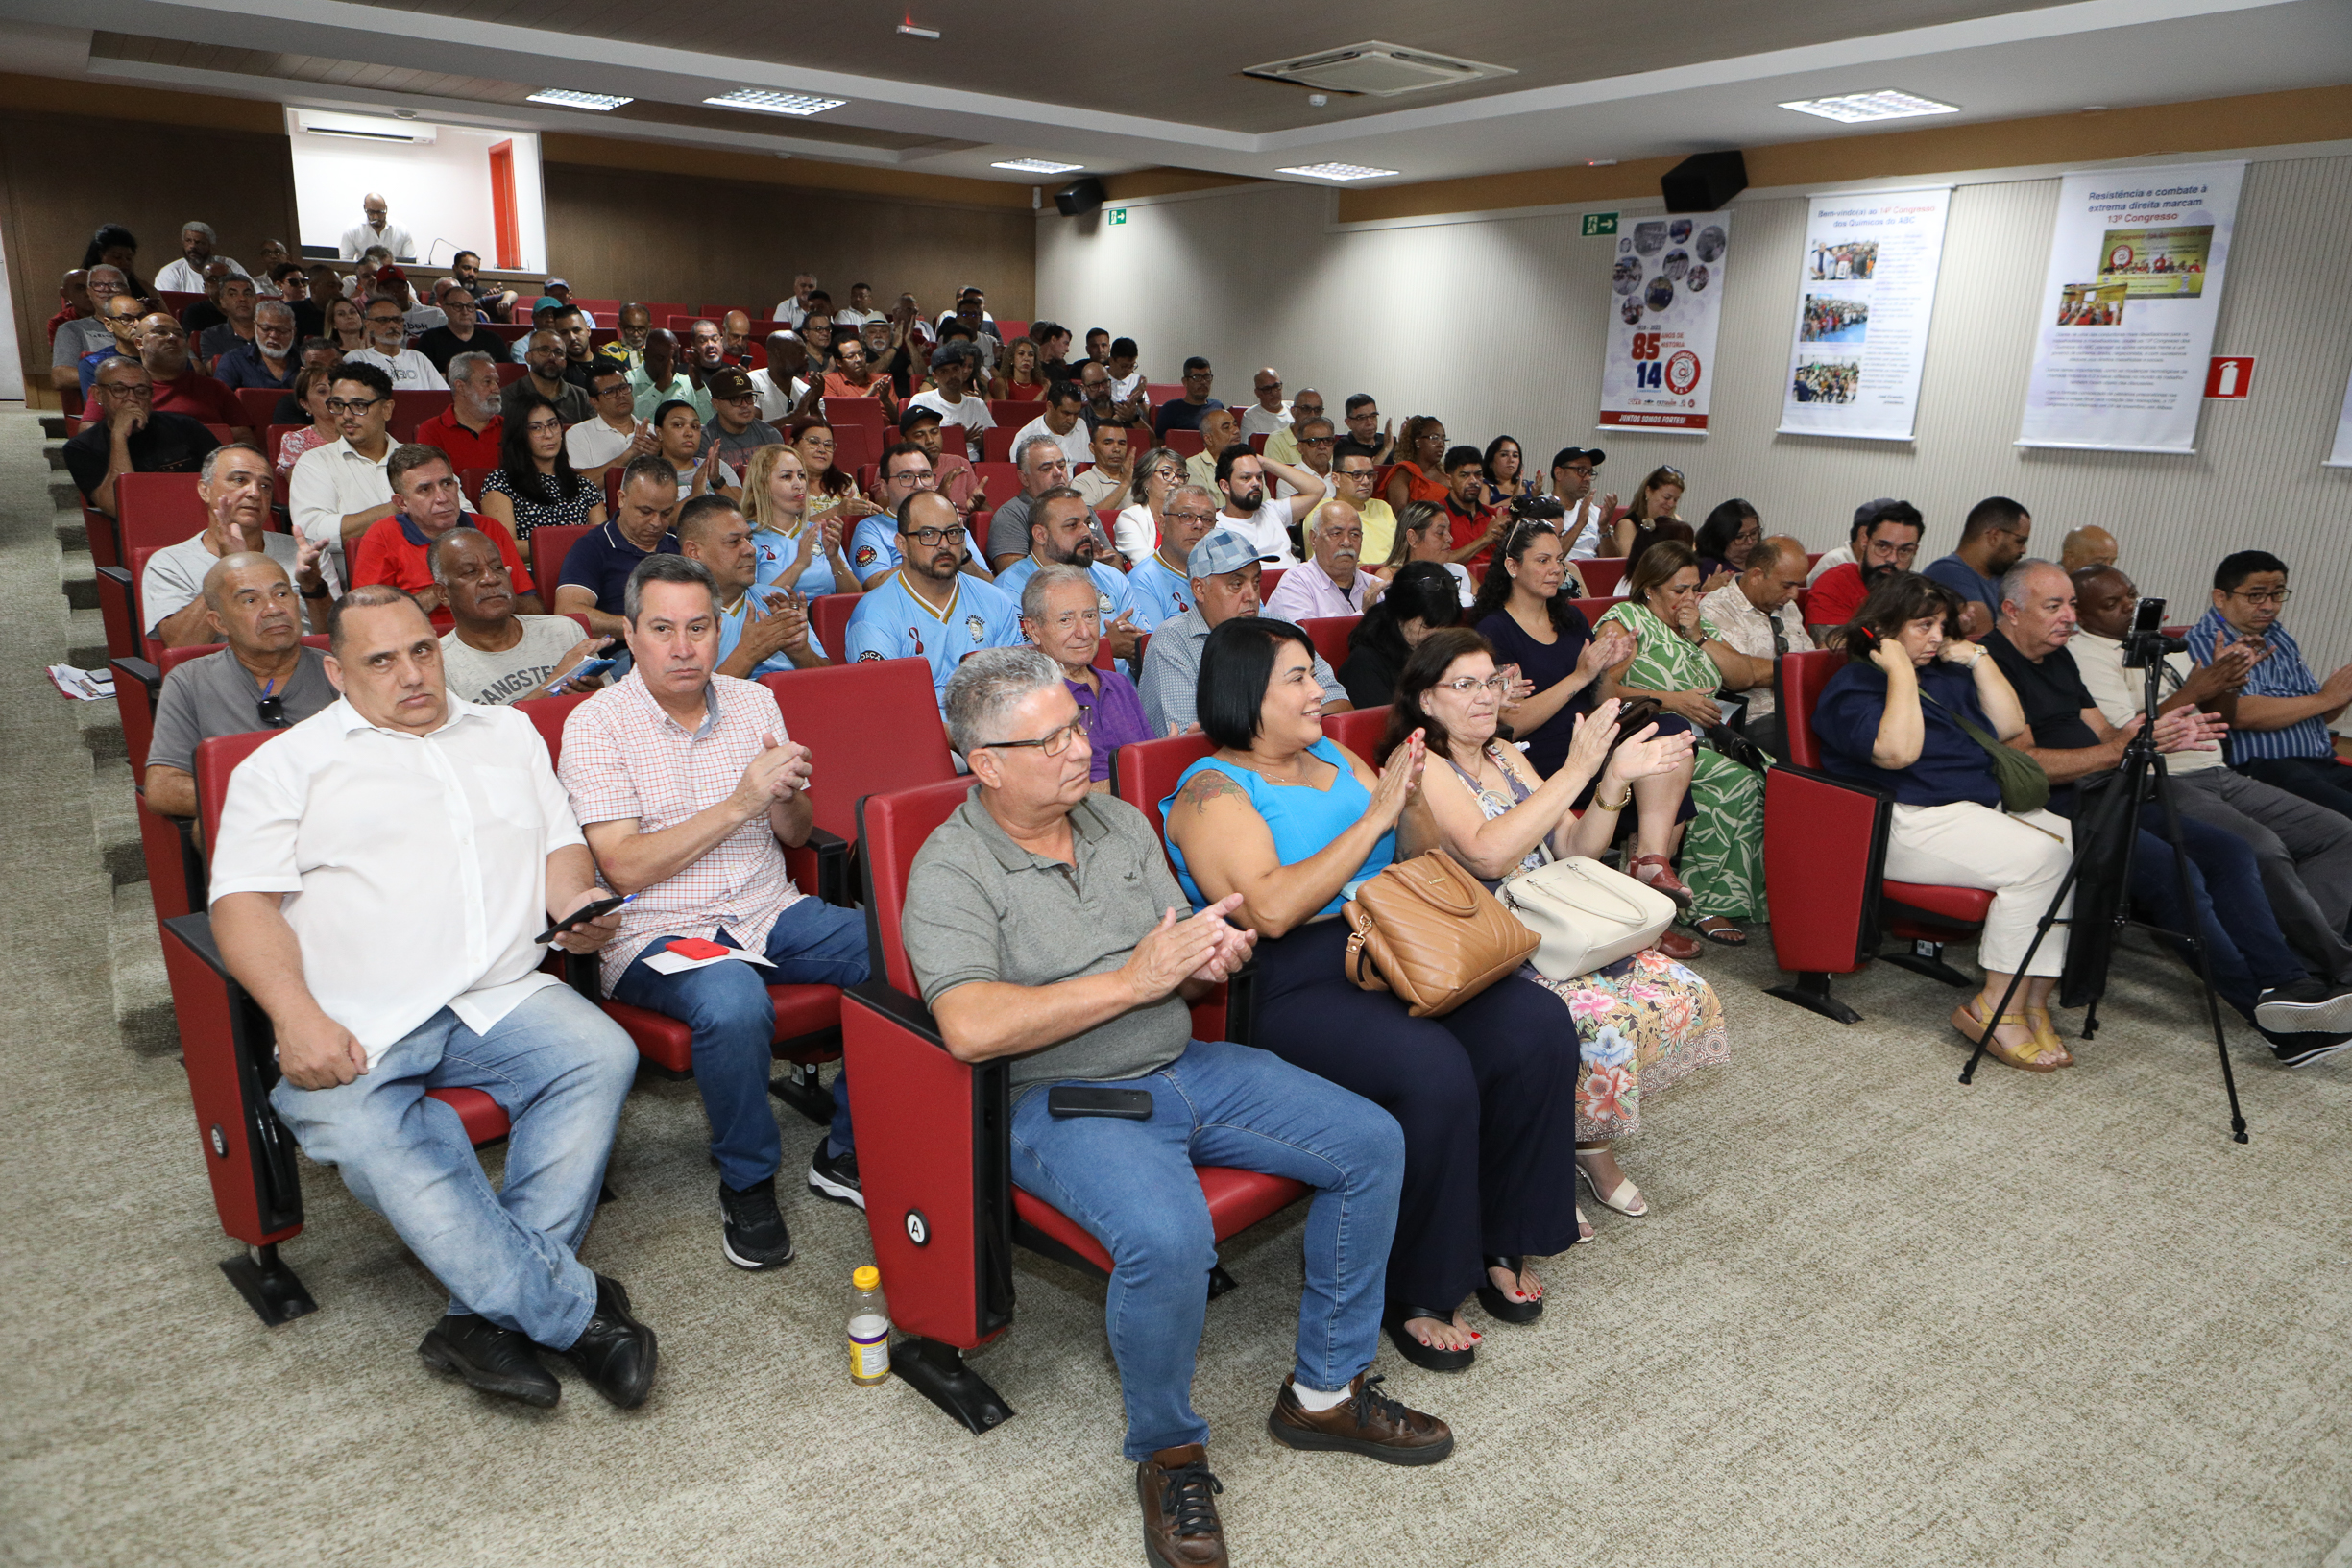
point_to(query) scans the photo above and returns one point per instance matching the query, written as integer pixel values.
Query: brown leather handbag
(1427, 930)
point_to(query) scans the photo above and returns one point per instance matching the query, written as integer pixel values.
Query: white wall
(1496, 325)
(437, 191)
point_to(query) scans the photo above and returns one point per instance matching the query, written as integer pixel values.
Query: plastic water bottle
(869, 1329)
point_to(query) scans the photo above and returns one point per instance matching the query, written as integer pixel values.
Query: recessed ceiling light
(601, 102)
(1886, 103)
(770, 100)
(1037, 166)
(1338, 171)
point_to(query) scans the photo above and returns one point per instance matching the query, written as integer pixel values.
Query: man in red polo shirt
(180, 387)
(430, 502)
(1475, 526)
(471, 430)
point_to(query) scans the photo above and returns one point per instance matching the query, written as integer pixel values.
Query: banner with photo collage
(1865, 289)
(2129, 305)
(1665, 299)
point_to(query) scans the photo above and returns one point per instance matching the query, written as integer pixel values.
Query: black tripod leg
(2017, 976)
(2196, 942)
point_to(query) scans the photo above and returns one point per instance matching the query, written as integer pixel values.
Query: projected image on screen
(436, 190)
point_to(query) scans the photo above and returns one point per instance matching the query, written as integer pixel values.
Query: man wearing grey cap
(1583, 517)
(735, 422)
(1223, 567)
(1843, 555)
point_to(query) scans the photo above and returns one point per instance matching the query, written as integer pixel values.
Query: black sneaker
(754, 1236)
(2308, 1006)
(835, 1176)
(2303, 1049)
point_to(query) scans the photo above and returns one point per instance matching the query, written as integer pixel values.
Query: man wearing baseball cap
(1583, 519)
(544, 311)
(735, 417)
(1224, 567)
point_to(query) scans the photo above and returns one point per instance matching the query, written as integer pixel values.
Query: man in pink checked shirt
(1332, 583)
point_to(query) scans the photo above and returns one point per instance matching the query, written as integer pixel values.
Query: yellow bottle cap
(867, 1278)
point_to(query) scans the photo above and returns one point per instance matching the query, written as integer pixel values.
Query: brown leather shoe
(1181, 1527)
(1369, 1423)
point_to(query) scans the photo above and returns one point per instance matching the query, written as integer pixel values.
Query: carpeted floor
(1873, 1317)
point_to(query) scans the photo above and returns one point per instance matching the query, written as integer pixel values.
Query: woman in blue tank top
(1486, 1095)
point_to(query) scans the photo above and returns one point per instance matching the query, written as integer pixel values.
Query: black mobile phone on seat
(1074, 1099)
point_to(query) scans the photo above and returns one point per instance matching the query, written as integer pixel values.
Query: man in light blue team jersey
(1160, 587)
(1061, 533)
(928, 609)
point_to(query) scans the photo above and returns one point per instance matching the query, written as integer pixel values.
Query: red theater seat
(1330, 635)
(410, 409)
(548, 545)
(1360, 730)
(259, 405)
(1602, 574)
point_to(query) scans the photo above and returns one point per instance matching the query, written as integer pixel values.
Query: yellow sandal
(1969, 1019)
(2046, 1042)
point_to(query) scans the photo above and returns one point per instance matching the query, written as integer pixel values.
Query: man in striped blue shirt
(2281, 735)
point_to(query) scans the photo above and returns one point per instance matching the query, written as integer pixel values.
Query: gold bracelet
(1617, 805)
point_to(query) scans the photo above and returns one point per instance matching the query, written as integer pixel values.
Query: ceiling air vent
(1377, 71)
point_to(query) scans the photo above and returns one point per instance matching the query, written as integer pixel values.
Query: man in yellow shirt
(1351, 481)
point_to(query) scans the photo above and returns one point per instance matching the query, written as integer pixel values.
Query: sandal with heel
(1656, 871)
(1968, 1018)
(2052, 1047)
(1499, 1303)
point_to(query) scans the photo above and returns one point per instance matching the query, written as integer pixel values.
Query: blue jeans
(558, 1069)
(2248, 952)
(1131, 1185)
(727, 1006)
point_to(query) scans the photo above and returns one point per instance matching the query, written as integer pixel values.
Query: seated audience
(1680, 660)
(616, 434)
(928, 609)
(855, 375)
(1282, 445)
(1756, 612)
(2253, 967)
(340, 489)
(1886, 543)
(1992, 540)
(953, 476)
(121, 317)
(206, 313)
(687, 783)
(778, 388)
(234, 487)
(1220, 431)
(1249, 510)
(116, 246)
(571, 324)
(793, 552)
(1644, 1022)
(238, 304)
(1062, 532)
(1723, 543)
(534, 485)
(2089, 546)
(834, 499)
(1422, 535)
(74, 295)
(389, 351)
(1831, 560)
(472, 430)
(1141, 526)
(406, 963)
(290, 283)
(1042, 467)
(1418, 472)
(85, 331)
(1061, 613)
(1584, 522)
(953, 367)
(694, 458)
(1126, 378)
(544, 357)
(266, 360)
(345, 326)
(1331, 582)
(1507, 478)
(1421, 600)
(1525, 608)
(460, 332)
(264, 679)
(734, 426)
(180, 388)
(660, 380)
(1223, 570)
(2303, 849)
(1907, 720)
(1367, 436)
(595, 578)
(427, 501)
(1486, 1093)
(1318, 440)
(1470, 523)
(312, 386)
(1092, 989)
(187, 276)
(1161, 585)
(492, 653)
(1650, 518)
(2280, 735)
(1269, 415)
(1060, 424)
(1352, 480)
(1105, 484)
(1187, 412)
(130, 436)
(466, 270)
(762, 631)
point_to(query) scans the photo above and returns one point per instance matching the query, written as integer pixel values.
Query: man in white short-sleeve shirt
(1240, 478)
(378, 876)
(951, 369)
(388, 350)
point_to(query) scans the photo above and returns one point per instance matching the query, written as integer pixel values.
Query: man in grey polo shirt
(264, 679)
(1041, 922)
(1223, 567)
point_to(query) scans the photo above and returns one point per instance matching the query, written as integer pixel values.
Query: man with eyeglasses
(1270, 414)
(472, 430)
(1582, 518)
(2284, 711)
(1886, 543)
(377, 229)
(1101, 405)
(1161, 587)
(85, 332)
(264, 679)
(616, 434)
(1105, 483)
(339, 491)
(1366, 435)
(388, 349)
(234, 489)
(1331, 582)
(128, 436)
(180, 387)
(1755, 614)
(267, 361)
(929, 609)
(1225, 568)
(873, 547)
(953, 475)
(1282, 445)
(119, 318)
(430, 502)
(1352, 481)
(1062, 532)
(1185, 413)
(460, 331)
(1992, 540)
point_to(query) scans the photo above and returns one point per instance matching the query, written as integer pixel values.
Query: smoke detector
(1377, 71)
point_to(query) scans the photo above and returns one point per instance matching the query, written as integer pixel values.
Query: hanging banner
(1666, 297)
(1865, 288)
(2127, 310)
(2342, 456)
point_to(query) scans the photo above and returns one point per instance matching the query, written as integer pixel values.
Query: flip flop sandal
(1431, 1357)
(1499, 1302)
(1970, 1023)
(1720, 932)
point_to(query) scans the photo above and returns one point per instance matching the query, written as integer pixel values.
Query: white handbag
(1585, 916)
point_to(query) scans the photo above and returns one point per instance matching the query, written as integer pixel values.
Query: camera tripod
(2144, 651)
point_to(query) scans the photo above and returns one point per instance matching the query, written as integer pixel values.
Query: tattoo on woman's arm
(1208, 786)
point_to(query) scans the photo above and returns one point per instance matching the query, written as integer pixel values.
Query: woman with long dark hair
(1419, 470)
(1725, 539)
(534, 485)
(833, 496)
(1419, 601)
(114, 246)
(1505, 465)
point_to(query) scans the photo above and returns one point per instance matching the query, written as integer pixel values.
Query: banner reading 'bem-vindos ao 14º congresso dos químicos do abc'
(1865, 290)
(1665, 297)
(2127, 310)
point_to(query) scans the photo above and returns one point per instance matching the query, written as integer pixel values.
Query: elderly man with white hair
(1332, 581)
(85, 334)
(1042, 924)
(187, 276)
(267, 360)
(1061, 614)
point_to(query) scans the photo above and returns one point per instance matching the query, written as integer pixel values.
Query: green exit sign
(1596, 224)
(1118, 216)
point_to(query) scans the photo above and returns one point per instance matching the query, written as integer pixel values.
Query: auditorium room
(1422, 785)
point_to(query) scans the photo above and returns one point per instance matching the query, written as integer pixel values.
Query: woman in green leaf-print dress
(1679, 659)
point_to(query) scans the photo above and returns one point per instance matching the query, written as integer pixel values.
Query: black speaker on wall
(1078, 197)
(1704, 181)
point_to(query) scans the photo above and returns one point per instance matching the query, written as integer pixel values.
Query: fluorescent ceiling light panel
(771, 101)
(602, 102)
(1338, 171)
(1037, 166)
(1886, 103)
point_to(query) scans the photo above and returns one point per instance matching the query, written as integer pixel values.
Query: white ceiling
(958, 119)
